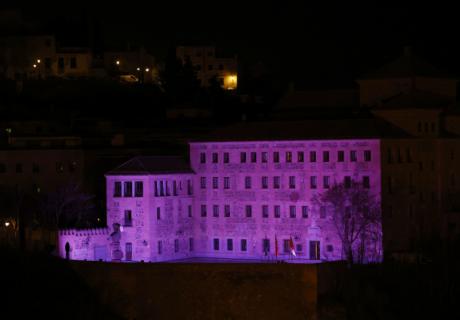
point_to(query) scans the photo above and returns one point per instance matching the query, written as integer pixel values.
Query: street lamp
(117, 62)
(7, 224)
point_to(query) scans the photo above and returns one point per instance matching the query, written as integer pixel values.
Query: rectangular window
(174, 188)
(304, 212)
(313, 182)
(226, 182)
(247, 182)
(203, 182)
(216, 244)
(288, 156)
(215, 157)
(158, 213)
(189, 210)
(202, 157)
(243, 157)
(276, 157)
(347, 182)
(325, 156)
(139, 189)
(204, 212)
(264, 182)
(215, 211)
(340, 156)
(322, 212)
(61, 64)
(312, 156)
(190, 244)
(326, 182)
(286, 246)
(300, 156)
(253, 157)
(264, 157)
(266, 246)
(160, 247)
(390, 156)
(176, 245)
(128, 189)
(189, 187)
(2, 168)
(264, 211)
(244, 245)
(277, 211)
(215, 182)
(292, 182)
(227, 211)
(292, 211)
(367, 155)
(248, 210)
(353, 157)
(128, 221)
(229, 244)
(117, 189)
(226, 157)
(366, 182)
(276, 182)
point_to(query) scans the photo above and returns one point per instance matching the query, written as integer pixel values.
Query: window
(189, 209)
(367, 155)
(300, 156)
(226, 182)
(226, 157)
(264, 157)
(419, 126)
(264, 211)
(117, 189)
(215, 211)
(322, 212)
(288, 156)
(128, 222)
(276, 157)
(226, 211)
(312, 156)
(247, 182)
(325, 156)
(326, 184)
(229, 244)
(155, 184)
(264, 182)
(202, 157)
(128, 189)
(353, 157)
(266, 246)
(390, 156)
(176, 245)
(277, 211)
(215, 182)
(204, 212)
(174, 188)
(61, 63)
(248, 210)
(276, 182)
(243, 157)
(390, 185)
(215, 157)
(2, 168)
(189, 187)
(73, 63)
(160, 247)
(139, 188)
(313, 182)
(216, 244)
(340, 156)
(298, 247)
(35, 168)
(292, 182)
(253, 157)
(329, 248)
(304, 212)
(203, 182)
(286, 246)
(158, 213)
(244, 245)
(190, 244)
(347, 182)
(366, 182)
(292, 213)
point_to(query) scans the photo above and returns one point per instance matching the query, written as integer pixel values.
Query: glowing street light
(34, 66)
(117, 62)
(39, 61)
(7, 224)
(147, 69)
(138, 69)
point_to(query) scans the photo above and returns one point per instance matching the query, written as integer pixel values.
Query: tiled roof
(153, 165)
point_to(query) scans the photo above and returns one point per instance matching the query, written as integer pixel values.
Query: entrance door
(314, 250)
(129, 251)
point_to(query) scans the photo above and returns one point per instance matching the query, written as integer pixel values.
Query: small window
(128, 189)
(340, 156)
(158, 213)
(139, 189)
(190, 244)
(2, 168)
(253, 157)
(264, 211)
(304, 212)
(248, 210)
(204, 212)
(325, 156)
(243, 157)
(276, 157)
(313, 182)
(264, 182)
(366, 182)
(216, 244)
(312, 156)
(61, 63)
(347, 182)
(226, 183)
(367, 155)
(244, 245)
(276, 182)
(189, 187)
(264, 157)
(292, 211)
(288, 156)
(128, 221)
(300, 156)
(202, 157)
(189, 210)
(215, 182)
(353, 157)
(215, 211)
(329, 248)
(229, 244)
(298, 247)
(277, 211)
(117, 189)
(292, 182)
(247, 182)
(176, 245)
(215, 157)
(227, 211)
(266, 246)
(160, 247)
(203, 182)
(326, 184)
(226, 157)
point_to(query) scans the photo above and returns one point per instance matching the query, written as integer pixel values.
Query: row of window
(288, 156)
(60, 167)
(176, 245)
(128, 189)
(264, 182)
(189, 212)
(264, 211)
(162, 188)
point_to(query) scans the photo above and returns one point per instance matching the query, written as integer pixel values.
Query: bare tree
(356, 216)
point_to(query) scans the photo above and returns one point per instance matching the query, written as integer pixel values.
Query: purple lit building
(235, 200)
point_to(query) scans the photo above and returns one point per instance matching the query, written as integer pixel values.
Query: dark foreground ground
(43, 287)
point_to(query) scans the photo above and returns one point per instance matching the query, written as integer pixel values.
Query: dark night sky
(299, 41)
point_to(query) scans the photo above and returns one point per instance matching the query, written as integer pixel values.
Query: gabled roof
(416, 99)
(151, 165)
